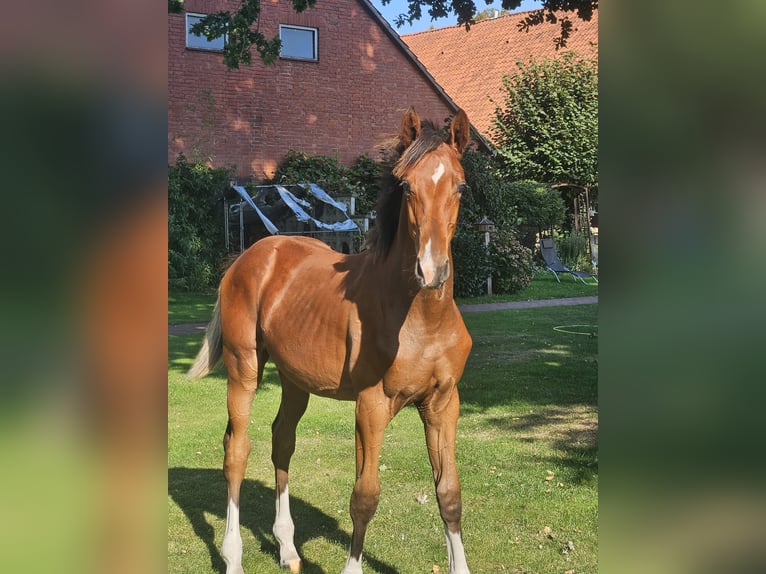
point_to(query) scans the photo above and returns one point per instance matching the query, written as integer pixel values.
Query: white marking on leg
(231, 548)
(353, 566)
(456, 552)
(438, 173)
(284, 531)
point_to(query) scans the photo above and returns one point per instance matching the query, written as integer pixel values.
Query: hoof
(293, 565)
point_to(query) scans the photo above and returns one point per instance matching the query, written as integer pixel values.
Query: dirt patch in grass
(565, 427)
(576, 426)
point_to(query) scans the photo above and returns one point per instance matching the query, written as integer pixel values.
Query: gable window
(298, 42)
(200, 42)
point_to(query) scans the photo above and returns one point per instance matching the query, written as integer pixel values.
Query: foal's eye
(462, 188)
(406, 190)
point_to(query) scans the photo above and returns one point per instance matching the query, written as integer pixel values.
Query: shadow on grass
(203, 490)
(518, 358)
(572, 431)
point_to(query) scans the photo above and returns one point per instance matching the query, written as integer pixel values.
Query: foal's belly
(342, 372)
(313, 377)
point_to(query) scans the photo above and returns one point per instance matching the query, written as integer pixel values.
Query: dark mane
(389, 204)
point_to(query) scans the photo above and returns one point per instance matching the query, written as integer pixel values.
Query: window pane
(298, 43)
(195, 41)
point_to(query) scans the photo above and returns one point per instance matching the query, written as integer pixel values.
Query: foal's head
(432, 181)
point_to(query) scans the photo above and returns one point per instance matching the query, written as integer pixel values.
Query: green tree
(487, 193)
(507, 203)
(243, 34)
(547, 127)
(536, 204)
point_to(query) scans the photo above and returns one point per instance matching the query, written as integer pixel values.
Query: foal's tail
(212, 348)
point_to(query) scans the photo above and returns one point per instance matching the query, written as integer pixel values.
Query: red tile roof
(470, 65)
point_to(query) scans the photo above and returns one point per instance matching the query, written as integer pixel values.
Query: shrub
(536, 204)
(325, 171)
(573, 251)
(364, 178)
(487, 193)
(471, 262)
(512, 264)
(360, 180)
(195, 235)
(509, 204)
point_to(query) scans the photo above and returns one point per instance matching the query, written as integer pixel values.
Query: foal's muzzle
(430, 275)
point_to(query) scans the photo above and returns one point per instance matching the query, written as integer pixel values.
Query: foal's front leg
(372, 416)
(439, 414)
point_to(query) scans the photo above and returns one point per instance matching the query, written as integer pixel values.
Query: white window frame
(315, 47)
(204, 44)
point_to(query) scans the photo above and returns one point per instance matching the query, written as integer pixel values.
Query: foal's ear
(410, 128)
(460, 131)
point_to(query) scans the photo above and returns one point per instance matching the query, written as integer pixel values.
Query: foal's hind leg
(291, 409)
(244, 373)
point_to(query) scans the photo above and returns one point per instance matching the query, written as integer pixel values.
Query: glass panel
(194, 41)
(298, 43)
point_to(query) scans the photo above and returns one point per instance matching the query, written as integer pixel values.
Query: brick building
(339, 88)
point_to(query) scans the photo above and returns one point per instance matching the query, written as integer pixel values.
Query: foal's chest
(423, 363)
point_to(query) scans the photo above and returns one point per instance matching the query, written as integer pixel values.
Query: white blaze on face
(427, 264)
(438, 173)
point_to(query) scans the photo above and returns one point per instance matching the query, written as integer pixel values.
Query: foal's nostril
(442, 274)
(438, 275)
(420, 275)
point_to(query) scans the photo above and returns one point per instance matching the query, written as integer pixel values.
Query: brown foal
(380, 328)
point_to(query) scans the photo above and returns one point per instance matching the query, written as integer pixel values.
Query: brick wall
(344, 104)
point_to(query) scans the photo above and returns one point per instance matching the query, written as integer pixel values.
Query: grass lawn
(190, 307)
(527, 453)
(197, 307)
(543, 286)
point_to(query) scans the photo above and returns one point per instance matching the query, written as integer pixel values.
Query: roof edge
(367, 4)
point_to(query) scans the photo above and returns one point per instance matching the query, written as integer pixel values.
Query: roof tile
(470, 64)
